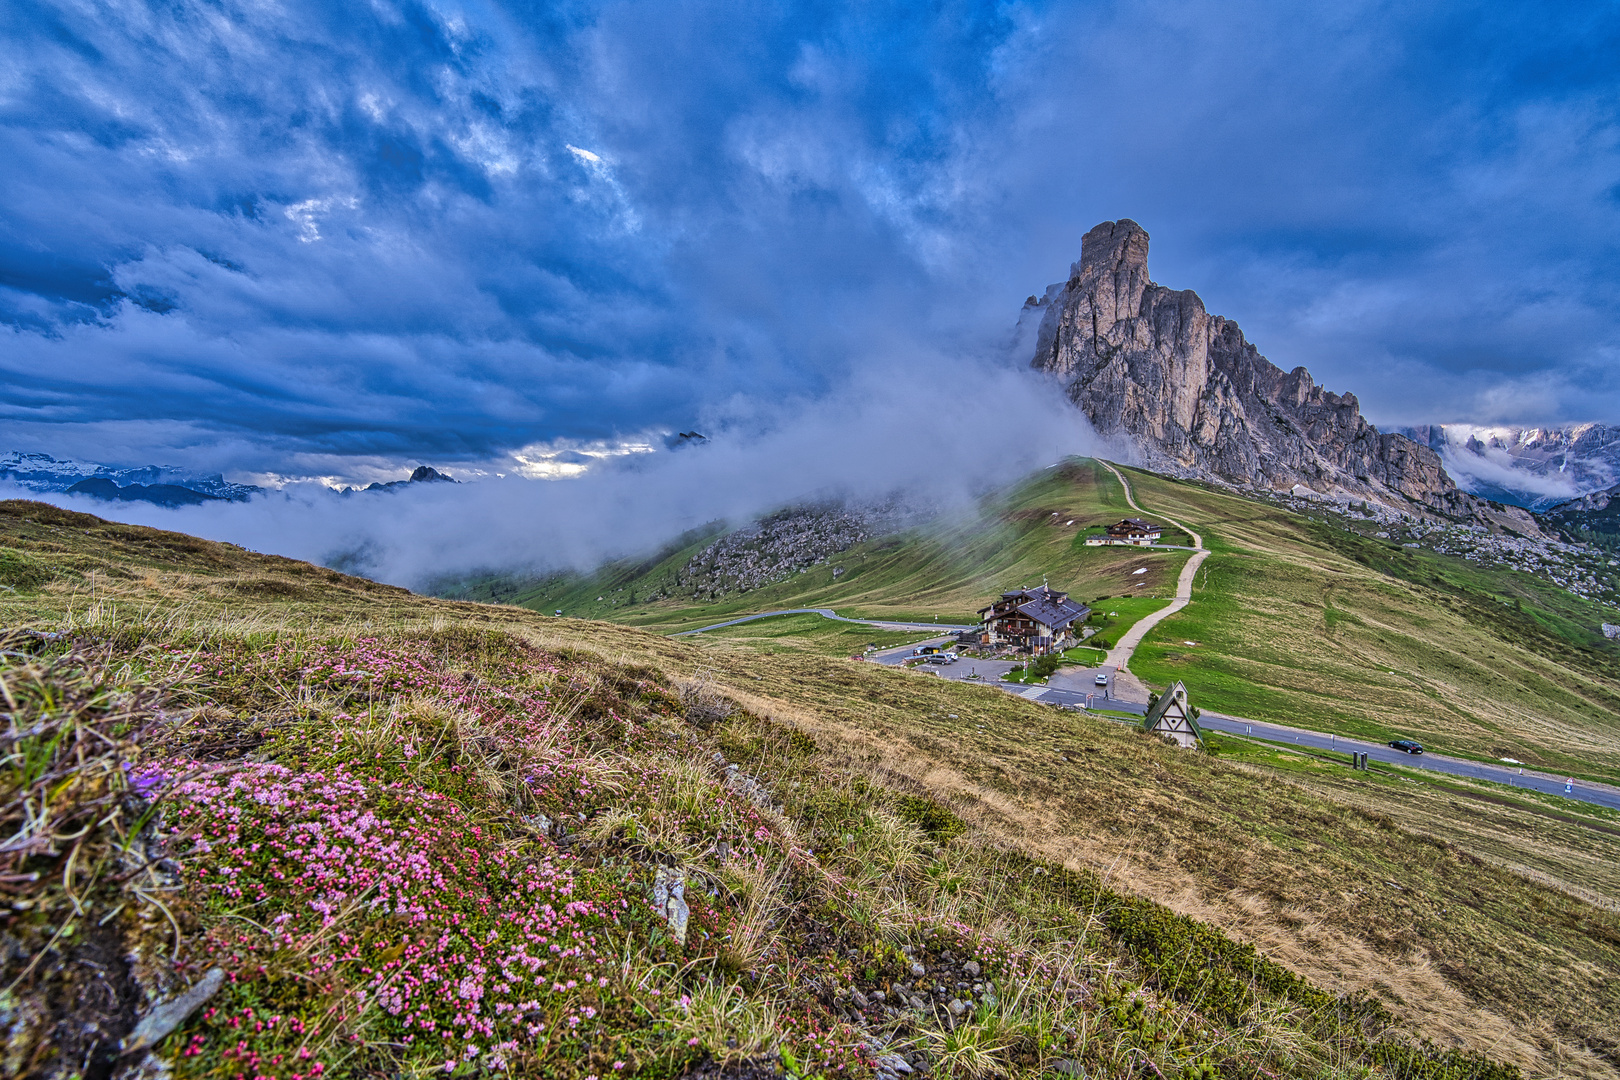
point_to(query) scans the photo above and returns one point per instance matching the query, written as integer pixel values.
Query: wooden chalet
(1132, 532)
(1172, 717)
(1039, 619)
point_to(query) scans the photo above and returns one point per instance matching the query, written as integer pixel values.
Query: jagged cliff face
(1592, 518)
(1151, 366)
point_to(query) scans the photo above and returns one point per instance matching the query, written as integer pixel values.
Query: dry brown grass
(1476, 955)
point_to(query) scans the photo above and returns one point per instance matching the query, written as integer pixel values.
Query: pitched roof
(1057, 614)
(1038, 592)
(1045, 605)
(1137, 523)
(1177, 690)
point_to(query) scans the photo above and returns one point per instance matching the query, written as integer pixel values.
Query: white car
(1101, 679)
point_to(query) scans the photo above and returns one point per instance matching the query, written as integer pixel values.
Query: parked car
(1407, 745)
(1101, 679)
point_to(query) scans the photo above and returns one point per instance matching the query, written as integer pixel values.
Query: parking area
(1074, 685)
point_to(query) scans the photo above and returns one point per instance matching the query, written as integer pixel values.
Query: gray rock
(972, 968)
(785, 543)
(958, 1007)
(1151, 366)
(894, 1063)
(918, 1004)
(748, 787)
(669, 900)
(860, 999)
(156, 1025)
(148, 1067)
(1068, 1067)
(918, 971)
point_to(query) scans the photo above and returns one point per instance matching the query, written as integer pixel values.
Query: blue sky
(334, 238)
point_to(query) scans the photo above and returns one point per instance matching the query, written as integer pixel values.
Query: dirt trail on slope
(1127, 686)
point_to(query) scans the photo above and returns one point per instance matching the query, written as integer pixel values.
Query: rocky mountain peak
(1152, 368)
(1117, 250)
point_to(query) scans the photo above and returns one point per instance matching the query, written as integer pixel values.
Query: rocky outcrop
(785, 543)
(1592, 518)
(1151, 367)
(772, 550)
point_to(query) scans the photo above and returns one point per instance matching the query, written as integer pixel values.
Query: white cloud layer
(941, 439)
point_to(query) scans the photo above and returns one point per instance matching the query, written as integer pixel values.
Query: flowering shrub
(443, 871)
(424, 931)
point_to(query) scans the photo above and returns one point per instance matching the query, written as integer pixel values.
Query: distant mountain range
(156, 484)
(424, 474)
(1534, 467)
(148, 483)
(1594, 518)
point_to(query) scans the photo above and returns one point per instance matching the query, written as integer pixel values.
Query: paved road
(827, 613)
(1513, 775)
(1075, 686)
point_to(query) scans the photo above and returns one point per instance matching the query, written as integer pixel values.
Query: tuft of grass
(82, 881)
(20, 572)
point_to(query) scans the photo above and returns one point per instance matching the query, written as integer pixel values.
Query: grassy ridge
(1541, 836)
(439, 863)
(1307, 624)
(1296, 620)
(812, 632)
(1043, 834)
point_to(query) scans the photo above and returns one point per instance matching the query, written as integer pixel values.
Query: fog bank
(939, 432)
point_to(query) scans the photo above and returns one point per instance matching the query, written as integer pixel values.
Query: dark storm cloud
(407, 230)
(277, 236)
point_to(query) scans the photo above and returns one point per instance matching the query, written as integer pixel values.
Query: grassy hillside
(1305, 623)
(417, 835)
(1296, 620)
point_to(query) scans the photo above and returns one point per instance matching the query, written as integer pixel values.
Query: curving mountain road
(1119, 657)
(1073, 687)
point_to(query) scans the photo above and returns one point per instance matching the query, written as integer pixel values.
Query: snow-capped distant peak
(1534, 467)
(45, 465)
(42, 472)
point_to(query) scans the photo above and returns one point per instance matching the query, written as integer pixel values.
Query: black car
(1407, 745)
